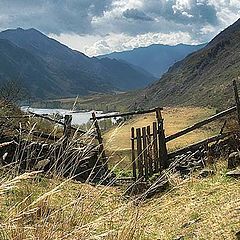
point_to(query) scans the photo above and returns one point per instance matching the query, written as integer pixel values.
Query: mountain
(202, 78)
(50, 69)
(156, 58)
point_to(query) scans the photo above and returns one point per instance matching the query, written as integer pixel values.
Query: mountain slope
(72, 72)
(156, 58)
(202, 78)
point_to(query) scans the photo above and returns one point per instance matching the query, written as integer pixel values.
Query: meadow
(35, 206)
(117, 139)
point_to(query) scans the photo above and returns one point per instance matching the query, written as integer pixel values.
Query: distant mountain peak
(156, 58)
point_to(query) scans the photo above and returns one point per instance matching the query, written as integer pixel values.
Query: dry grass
(40, 208)
(35, 207)
(117, 139)
(175, 119)
(197, 209)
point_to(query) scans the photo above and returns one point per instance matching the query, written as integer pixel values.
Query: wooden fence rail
(195, 146)
(201, 124)
(59, 122)
(126, 114)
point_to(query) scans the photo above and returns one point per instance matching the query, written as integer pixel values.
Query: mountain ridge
(156, 58)
(71, 71)
(202, 78)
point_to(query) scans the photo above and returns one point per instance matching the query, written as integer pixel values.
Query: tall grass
(52, 205)
(48, 206)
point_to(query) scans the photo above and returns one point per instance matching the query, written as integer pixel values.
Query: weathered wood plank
(126, 114)
(139, 153)
(198, 144)
(162, 141)
(134, 165)
(100, 141)
(67, 126)
(149, 151)
(156, 162)
(58, 122)
(145, 154)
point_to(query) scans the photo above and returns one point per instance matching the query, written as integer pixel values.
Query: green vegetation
(104, 102)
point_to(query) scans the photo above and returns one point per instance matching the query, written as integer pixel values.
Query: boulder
(234, 160)
(206, 173)
(238, 235)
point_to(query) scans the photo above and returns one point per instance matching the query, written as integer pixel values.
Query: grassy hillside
(203, 78)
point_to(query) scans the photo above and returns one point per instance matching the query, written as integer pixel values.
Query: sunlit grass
(117, 140)
(40, 208)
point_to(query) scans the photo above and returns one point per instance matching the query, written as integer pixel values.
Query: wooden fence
(148, 144)
(149, 151)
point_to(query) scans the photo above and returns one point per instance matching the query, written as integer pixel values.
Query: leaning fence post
(67, 126)
(163, 155)
(100, 140)
(237, 100)
(134, 165)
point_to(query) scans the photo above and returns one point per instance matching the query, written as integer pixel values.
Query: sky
(97, 27)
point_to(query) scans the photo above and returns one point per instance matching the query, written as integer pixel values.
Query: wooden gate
(149, 152)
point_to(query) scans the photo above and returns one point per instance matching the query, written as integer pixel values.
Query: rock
(200, 163)
(136, 188)
(179, 238)
(238, 235)
(206, 173)
(234, 160)
(191, 222)
(234, 173)
(197, 154)
(41, 164)
(157, 187)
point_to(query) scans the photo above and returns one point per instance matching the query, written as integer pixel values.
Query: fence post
(67, 126)
(100, 141)
(156, 160)
(163, 155)
(150, 150)
(237, 100)
(145, 153)
(139, 153)
(134, 165)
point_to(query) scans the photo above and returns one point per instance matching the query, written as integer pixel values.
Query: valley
(166, 167)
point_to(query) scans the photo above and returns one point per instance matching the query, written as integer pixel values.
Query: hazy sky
(101, 26)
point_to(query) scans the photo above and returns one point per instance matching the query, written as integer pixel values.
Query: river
(78, 118)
